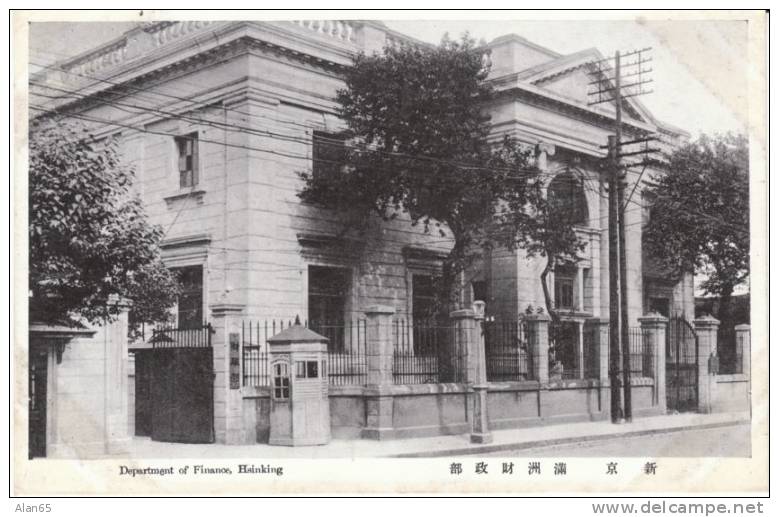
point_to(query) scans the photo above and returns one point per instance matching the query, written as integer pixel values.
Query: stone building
(218, 119)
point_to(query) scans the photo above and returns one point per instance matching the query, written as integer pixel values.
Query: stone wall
(444, 409)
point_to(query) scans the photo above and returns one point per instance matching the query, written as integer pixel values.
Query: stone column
(473, 320)
(379, 346)
(653, 326)
(706, 328)
(743, 336)
(538, 341)
(464, 321)
(117, 438)
(600, 329)
(379, 350)
(228, 403)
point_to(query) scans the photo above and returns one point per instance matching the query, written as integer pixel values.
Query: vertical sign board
(235, 362)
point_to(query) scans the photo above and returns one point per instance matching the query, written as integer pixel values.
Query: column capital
(742, 327)
(653, 319)
(706, 321)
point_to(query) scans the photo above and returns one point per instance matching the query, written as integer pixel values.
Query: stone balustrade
(337, 29)
(166, 33)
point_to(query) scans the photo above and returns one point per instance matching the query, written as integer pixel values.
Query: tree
(699, 220)
(420, 146)
(89, 236)
(545, 226)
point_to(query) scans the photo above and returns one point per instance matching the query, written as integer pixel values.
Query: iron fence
(346, 352)
(173, 337)
(641, 352)
(573, 351)
(427, 352)
(507, 351)
(593, 338)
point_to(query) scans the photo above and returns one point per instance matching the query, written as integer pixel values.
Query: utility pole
(610, 90)
(614, 334)
(620, 179)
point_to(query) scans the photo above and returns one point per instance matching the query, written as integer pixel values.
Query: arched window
(567, 200)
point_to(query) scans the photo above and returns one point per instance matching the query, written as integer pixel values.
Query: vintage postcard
(270, 253)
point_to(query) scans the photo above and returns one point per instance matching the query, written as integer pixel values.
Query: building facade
(219, 118)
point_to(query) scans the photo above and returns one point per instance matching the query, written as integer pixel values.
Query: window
(306, 369)
(424, 310)
(190, 301)
(328, 289)
(567, 199)
(329, 153)
(281, 381)
(187, 160)
(424, 303)
(564, 289)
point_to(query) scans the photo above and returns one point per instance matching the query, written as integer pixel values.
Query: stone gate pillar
(600, 342)
(228, 400)
(379, 350)
(538, 341)
(653, 326)
(743, 336)
(117, 438)
(466, 327)
(706, 328)
(469, 325)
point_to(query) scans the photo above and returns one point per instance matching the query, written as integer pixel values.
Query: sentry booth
(300, 408)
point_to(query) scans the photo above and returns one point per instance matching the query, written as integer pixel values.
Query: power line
(254, 115)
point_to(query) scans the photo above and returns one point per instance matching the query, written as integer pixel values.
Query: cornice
(536, 96)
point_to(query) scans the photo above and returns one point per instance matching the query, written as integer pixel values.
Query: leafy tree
(89, 236)
(699, 219)
(420, 146)
(547, 230)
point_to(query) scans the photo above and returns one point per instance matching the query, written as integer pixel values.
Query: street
(731, 441)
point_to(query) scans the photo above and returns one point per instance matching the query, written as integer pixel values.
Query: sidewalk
(512, 439)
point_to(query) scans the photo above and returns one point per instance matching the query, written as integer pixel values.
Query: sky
(699, 66)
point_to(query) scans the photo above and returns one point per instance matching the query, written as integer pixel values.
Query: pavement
(510, 440)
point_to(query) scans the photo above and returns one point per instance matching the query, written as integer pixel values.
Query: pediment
(571, 77)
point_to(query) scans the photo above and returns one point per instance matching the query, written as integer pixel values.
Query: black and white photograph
(507, 247)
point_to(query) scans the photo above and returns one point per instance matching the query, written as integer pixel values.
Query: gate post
(743, 334)
(464, 323)
(470, 325)
(600, 343)
(653, 326)
(117, 439)
(706, 328)
(379, 352)
(228, 400)
(538, 339)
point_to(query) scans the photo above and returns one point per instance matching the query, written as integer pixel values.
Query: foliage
(420, 146)
(699, 219)
(89, 236)
(548, 230)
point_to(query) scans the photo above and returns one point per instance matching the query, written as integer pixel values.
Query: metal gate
(681, 365)
(177, 386)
